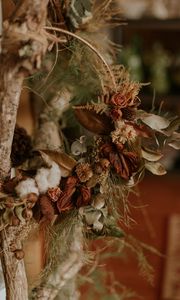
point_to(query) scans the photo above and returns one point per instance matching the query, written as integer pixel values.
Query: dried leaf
(65, 162)
(151, 155)
(154, 121)
(175, 141)
(94, 122)
(155, 168)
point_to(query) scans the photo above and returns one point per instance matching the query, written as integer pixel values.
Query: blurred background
(150, 49)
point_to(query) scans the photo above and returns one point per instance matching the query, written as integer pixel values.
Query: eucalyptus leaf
(155, 168)
(154, 121)
(150, 155)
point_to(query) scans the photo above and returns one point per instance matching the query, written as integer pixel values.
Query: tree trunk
(23, 46)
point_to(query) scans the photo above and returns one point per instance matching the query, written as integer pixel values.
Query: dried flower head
(84, 172)
(123, 133)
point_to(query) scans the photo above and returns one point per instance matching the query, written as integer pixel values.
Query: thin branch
(87, 44)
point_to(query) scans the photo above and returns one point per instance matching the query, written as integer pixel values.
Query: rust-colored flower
(54, 193)
(85, 196)
(84, 172)
(64, 202)
(120, 100)
(124, 162)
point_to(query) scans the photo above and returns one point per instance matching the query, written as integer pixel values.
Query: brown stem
(23, 46)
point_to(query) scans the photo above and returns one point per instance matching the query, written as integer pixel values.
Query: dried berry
(19, 254)
(27, 214)
(15, 221)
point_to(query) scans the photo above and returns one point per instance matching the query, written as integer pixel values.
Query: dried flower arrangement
(73, 191)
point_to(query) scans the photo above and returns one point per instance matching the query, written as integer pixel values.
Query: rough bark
(23, 46)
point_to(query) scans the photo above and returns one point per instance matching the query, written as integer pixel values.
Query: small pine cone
(84, 172)
(128, 113)
(21, 146)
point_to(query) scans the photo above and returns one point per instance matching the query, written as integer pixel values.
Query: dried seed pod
(27, 214)
(15, 221)
(19, 254)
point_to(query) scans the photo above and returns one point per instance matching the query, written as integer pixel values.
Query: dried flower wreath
(78, 189)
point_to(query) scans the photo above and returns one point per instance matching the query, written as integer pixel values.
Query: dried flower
(84, 172)
(54, 193)
(120, 100)
(123, 133)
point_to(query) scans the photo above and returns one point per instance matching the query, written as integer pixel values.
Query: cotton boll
(54, 176)
(26, 187)
(42, 180)
(48, 178)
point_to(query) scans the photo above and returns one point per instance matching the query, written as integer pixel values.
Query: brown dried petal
(64, 202)
(94, 122)
(46, 208)
(84, 198)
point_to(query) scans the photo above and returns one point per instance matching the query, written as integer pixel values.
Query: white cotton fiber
(48, 178)
(26, 187)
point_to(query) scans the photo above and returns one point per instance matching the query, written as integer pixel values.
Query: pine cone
(21, 146)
